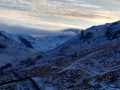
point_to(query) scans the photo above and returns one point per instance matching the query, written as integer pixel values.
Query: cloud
(88, 5)
(30, 12)
(17, 29)
(25, 17)
(61, 9)
(84, 15)
(116, 2)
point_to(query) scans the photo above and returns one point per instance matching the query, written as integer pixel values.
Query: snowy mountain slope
(45, 43)
(91, 53)
(94, 36)
(41, 42)
(89, 61)
(11, 51)
(96, 50)
(18, 47)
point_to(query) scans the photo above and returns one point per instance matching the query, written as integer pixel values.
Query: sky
(58, 14)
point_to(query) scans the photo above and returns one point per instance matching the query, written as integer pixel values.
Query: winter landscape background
(59, 45)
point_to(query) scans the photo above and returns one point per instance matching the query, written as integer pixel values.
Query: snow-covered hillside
(43, 42)
(83, 58)
(11, 51)
(14, 47)
(88, 61)
(49, 42)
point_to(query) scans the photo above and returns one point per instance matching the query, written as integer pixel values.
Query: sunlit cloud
(20, 16)
(112, 1)
(32, 11)
(87, 5)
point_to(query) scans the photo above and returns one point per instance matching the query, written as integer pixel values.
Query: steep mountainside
(45, 43)
(42, 43)
(11, 51)
(89, 61)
